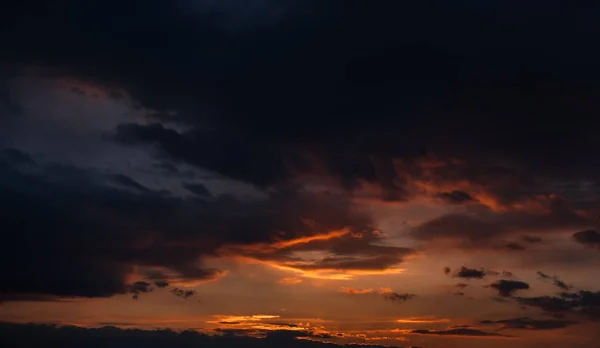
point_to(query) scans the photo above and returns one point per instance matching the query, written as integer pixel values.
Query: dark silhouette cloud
(161, 284)
(507, 288)
(557, 282)
(398, 297)
(582, 304)
(296, 99)
(46, 207)
(470, 273)
(455, 197)
(590, 238)
(530, 324)
(183, 293)
(19, 335)
(140, 287)
(314, 106)
(457, 332)
(507, 274)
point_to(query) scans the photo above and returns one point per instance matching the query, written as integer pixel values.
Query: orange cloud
(325, 273)
(422, 320)
(352, 291)
(266, 248)
(306, 240)
(235, 319)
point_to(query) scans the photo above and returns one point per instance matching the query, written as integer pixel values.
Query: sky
(300, 173)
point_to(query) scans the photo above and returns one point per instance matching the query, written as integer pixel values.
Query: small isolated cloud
(161, 284)
(398, 297)
(507, 274)
(139, 287)
(183, 293)
(590, 238)
(470, 273)
(507, 288)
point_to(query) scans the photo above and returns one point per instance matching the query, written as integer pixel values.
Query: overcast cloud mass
(299, 173)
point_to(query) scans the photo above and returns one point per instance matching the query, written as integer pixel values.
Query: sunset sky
(391, 173)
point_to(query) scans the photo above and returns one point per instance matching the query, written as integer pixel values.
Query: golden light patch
(352, 291)
(422, 320)
(330, 274)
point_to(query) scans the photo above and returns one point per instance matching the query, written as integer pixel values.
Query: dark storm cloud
(507, 288)
(317, 87)
(590, 238)
(167, 167)
(129, 182)
(198, 189)
(530, 324)
(70, 232)
(18, 335)
(231, 155)
(67, 234)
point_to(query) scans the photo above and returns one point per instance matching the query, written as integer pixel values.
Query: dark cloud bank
(15, 335)
(68, 231)
(344, 86)
(288, 91)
